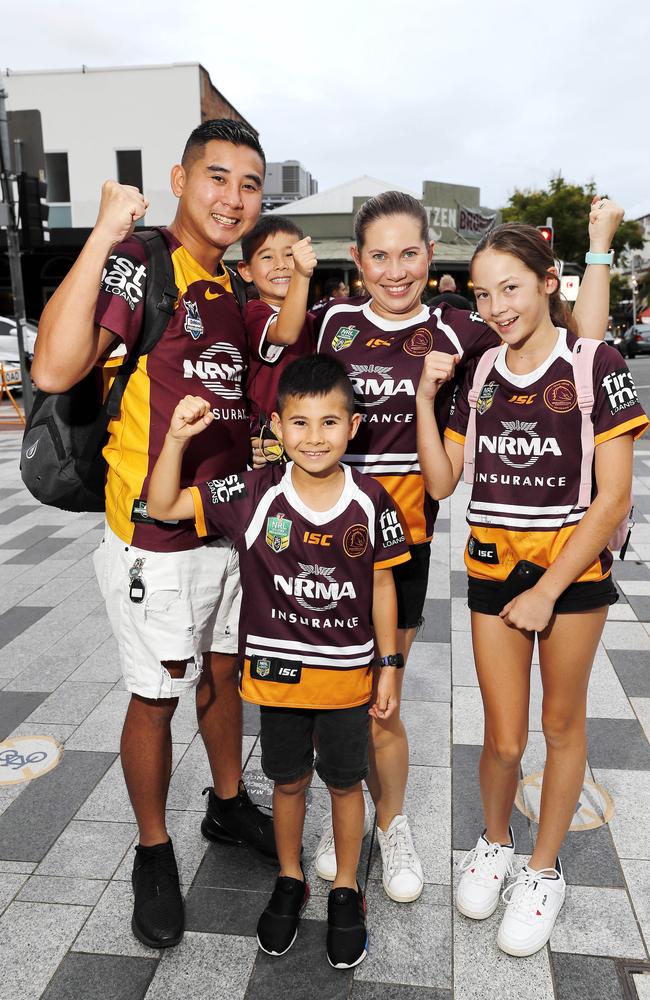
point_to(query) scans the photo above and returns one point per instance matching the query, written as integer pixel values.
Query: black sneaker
(347, 937)
(277, 928)
(239, 821)
(158, 919)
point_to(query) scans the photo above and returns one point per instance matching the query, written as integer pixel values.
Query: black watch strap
(394, 660)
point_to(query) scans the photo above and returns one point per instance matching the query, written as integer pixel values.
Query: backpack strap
(483, 369)
(161, 294)
(238, 285)
(582, 360)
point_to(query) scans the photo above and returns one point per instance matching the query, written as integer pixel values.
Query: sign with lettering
(473, 224)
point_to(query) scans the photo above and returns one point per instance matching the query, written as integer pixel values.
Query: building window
(129, 167)
(58, 190)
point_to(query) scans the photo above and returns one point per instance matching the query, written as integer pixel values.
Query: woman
(537, 555)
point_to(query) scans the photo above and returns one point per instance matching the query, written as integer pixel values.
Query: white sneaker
(325, 857)
(403, 877)
(534, 900)
(484, 871)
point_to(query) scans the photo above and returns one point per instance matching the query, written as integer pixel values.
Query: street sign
(569, 286)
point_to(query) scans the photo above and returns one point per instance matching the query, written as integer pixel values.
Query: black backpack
(61, 460)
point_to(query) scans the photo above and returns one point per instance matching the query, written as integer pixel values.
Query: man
(334, 288)
(173, 603)
(447, 292)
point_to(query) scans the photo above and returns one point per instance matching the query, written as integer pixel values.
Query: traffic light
(34, 212)
(546, 232)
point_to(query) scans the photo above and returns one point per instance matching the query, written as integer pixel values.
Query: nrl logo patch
(344, 337)
(193, 323)
(485, 397)
(278, 532)
(263, 667)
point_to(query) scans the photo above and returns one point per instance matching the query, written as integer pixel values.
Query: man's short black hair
(331, 285)
(223, 130)
(315, 375)
(266, 226)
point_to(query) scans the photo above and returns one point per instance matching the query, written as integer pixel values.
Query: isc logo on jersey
(374, 384)
(124, 276)
(519, 440)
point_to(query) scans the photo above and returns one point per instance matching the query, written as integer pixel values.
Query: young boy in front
(316, 544)
(279, 261)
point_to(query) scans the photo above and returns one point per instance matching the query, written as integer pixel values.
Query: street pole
(634, 285)
(7, 178)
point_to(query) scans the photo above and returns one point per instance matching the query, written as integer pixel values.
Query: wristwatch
(599, 258)
(394, 660)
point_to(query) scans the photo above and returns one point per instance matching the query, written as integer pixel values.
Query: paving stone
(196, 960)
(630, 569)
(391, 991)
(427, 674)
(625, 635)
(408, 944)
(642, 985)
(10, 885)
(56, 730)
(437, 622)
(635, 588)
(617, 743)
(630, 791)
(16, 620)
(597, 921)
(641, 606)
(38, 553)
(581, 977)
(427, 724)
(17, 867)
(224, 911)
(100, 977)
(462, 659)
(192, 775)
(46, 673)
(633, 669)
(103, 665)
(606, 698)
(467, 812)
(483, 972)
(467, 715)
(589, 858)
(276, 980)
(62, 889)
(642, 708)
(637, 876)
(33, 536)
(70, 703)
(458, 582)
(11, 514)
(34, 938)
(228, 866)
(102, 728)
(460, 615)
(108, 928)
(57, 796)
(88, 850)
(15, 707)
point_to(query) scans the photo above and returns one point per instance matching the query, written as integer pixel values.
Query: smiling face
(510, 297)
(271, 267)
(395, 262)
(220, 195)
(315, 430)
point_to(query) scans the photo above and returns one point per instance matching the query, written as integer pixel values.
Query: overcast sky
(498, 94)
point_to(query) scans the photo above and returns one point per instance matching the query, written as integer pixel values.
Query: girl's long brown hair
(527, 245)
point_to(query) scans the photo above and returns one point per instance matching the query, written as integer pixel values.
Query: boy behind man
(317, 542)
(280, 261)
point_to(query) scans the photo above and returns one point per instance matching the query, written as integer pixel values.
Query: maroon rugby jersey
(306, 636)
(384, 361)
(203, 352)
(527, 461)
(268, 361)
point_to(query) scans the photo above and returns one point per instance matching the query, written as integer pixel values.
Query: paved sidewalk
(66, 839)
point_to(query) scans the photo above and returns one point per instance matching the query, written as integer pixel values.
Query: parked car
(9, 356)
(635, 340)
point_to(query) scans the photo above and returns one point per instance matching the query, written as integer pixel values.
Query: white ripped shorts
(190, 607)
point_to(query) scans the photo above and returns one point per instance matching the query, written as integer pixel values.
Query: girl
(527, 527)
(382, 340)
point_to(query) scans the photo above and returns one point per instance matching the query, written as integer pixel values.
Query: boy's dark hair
(315, 375)
(266, 226)
(223, 130)
(386, 204)
(331, 285)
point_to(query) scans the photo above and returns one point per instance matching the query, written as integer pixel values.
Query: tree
(569, 205)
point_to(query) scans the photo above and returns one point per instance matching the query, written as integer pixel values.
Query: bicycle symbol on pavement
(23, 758)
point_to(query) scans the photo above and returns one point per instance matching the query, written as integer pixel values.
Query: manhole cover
(594, 808)
(23, 758)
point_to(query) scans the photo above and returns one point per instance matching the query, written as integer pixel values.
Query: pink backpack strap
(583, 375)
(483, 369)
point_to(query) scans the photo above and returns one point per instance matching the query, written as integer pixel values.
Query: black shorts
(484, 596)
(289, 737)
(411, 580)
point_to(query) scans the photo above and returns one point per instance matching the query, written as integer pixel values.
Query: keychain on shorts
(136, 587)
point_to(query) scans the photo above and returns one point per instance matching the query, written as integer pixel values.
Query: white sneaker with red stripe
(534, 900)
(484, 869)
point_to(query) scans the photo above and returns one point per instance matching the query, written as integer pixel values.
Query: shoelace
(400, 849)
(327, 840)
(157, 873)
(525, 902)
(483, 860)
